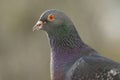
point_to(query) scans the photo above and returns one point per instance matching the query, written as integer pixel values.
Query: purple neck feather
(65, 51)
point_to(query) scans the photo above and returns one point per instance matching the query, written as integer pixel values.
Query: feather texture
(71, 58)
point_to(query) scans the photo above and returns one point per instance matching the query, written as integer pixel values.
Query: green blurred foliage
(25, 55)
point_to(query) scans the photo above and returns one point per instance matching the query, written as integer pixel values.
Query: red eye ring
(51, 17)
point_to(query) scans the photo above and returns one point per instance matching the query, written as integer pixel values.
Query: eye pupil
(51, 17)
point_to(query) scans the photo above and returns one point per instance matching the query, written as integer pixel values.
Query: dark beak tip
(33, 29)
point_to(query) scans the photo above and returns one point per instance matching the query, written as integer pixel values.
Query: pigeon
(71, 58)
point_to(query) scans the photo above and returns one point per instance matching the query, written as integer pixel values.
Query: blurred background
(25, 55)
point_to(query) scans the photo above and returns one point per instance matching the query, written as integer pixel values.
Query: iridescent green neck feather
(65, 36)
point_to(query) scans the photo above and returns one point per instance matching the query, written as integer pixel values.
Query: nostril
(38, 24)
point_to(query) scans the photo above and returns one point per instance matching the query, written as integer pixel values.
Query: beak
(38, 26)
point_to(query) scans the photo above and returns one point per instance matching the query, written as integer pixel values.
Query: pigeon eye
(51, 17)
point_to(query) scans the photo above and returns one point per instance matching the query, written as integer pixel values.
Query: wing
(94, 68)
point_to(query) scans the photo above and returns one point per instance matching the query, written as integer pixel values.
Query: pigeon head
(53, 21)
(61, 30)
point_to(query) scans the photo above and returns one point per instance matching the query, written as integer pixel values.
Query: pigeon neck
(65, 43)
(65, 47)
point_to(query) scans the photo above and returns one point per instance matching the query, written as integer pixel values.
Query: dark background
(25, 55)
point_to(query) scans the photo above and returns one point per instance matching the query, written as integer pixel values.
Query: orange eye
(51, 17)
